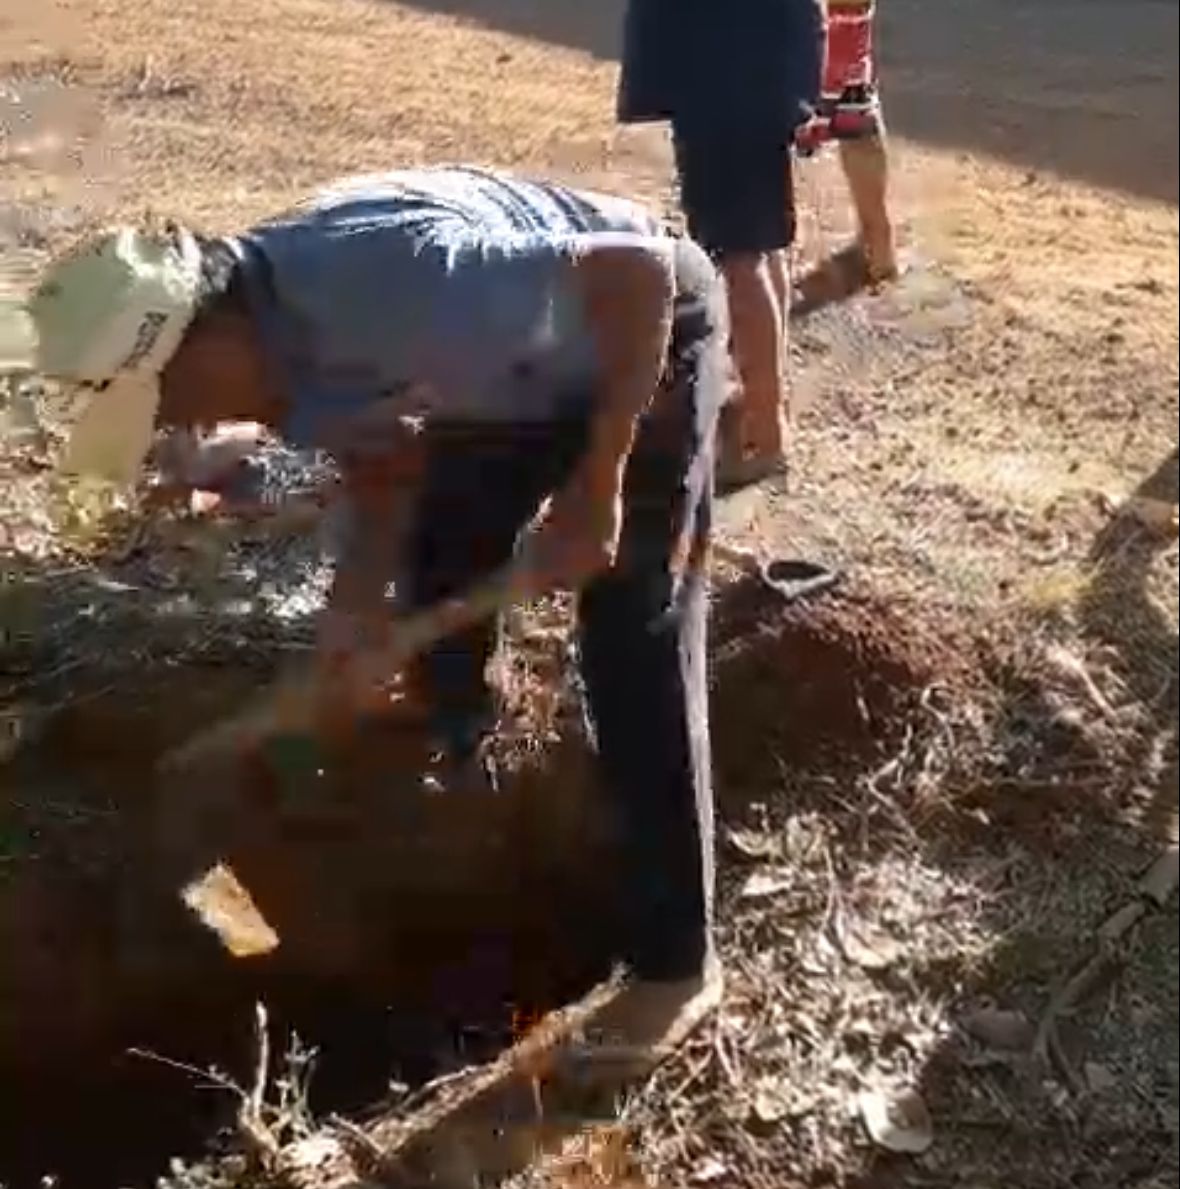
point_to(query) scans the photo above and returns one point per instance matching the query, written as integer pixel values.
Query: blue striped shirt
(443, 286)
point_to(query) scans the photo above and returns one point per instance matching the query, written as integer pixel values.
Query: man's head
(140, 320)
(108, 317)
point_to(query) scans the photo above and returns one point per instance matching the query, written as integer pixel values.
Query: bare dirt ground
(937, 787)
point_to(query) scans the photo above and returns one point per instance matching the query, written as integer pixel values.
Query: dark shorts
(737, 192)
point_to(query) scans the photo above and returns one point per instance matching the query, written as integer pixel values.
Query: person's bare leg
(756, 287)
(866, 168)
(780, 276)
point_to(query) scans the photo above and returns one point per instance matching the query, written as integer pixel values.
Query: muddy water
(414, 930)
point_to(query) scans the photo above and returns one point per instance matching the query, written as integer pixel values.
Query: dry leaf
(898, 1120)
(877, 953)
(766, 883)
(771, 1104)
(1004, 1030)
(1098, 1077)
(709, 1170)
(227, 908)
(754, 844)
(847, 1065)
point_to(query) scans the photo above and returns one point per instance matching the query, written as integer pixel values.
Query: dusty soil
(824, 681)
(935, 787)
(413, 934)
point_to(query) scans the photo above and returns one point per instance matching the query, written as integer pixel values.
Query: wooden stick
(482, 1121)
(290, 703)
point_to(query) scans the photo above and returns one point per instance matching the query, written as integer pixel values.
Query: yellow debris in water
(226, 908)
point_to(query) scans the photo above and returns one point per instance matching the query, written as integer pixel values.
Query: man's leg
(859, 128)
(866, 168)
(643, 654)
(755, 284)
(482, 486)
(738, 197)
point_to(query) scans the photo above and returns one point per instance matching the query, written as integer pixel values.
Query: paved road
(1086, 88)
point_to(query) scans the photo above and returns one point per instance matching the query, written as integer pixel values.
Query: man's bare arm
(626, 292)
(381, 461)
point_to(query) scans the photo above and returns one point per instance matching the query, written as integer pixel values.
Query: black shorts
(737, 192)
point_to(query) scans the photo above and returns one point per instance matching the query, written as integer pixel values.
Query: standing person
(735, 81)
(553, 343)
(849, 113)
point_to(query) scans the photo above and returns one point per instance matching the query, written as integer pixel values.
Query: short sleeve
(492, 329)
(470, 325)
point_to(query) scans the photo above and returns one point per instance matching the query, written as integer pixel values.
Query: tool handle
(291, 704)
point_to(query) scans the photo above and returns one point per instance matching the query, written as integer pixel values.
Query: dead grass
(965, 443)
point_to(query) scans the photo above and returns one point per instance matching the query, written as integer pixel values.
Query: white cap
(113, 312)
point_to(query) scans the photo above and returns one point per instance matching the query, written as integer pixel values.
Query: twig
(260, 1140)
(293, 1088)
(724, 1059)
(892, 768)
(1055, 1051)
(370, 1158)
(677, 1092)
(262, 1065)
(834, 904)
(1069, 665)
(216, 1080)
(251, 1123)
(1069, 997)
(409, 1104)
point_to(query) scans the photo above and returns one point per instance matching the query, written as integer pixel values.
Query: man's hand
(199, 472)
(350, 674)
(342, 636)
(577, 539)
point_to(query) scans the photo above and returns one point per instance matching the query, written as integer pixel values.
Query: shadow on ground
(1119, 611)
(883, 799)
(1076, 87)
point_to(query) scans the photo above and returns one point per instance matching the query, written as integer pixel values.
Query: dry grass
(964, 445)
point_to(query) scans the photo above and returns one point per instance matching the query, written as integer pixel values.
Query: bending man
(553, 344)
